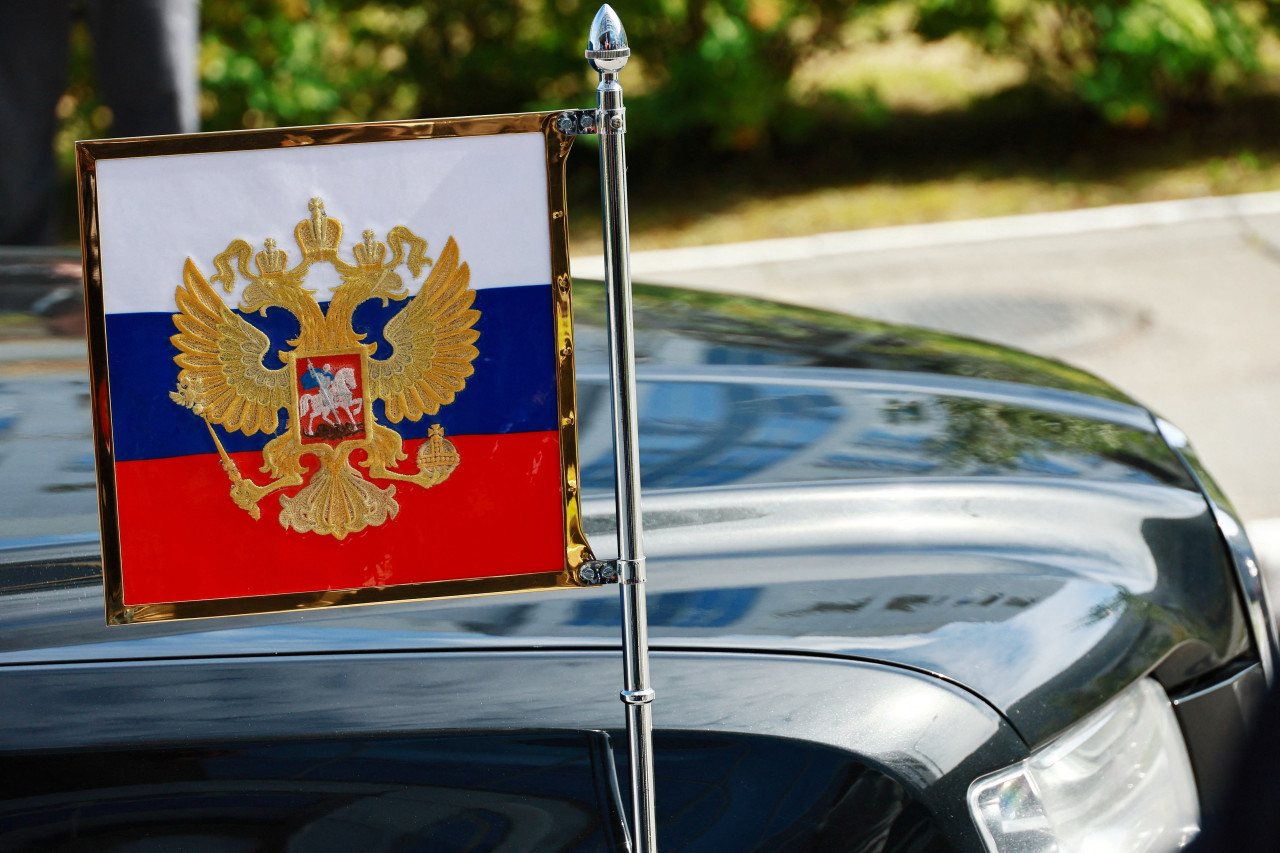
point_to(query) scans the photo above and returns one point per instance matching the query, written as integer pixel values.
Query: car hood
(814, 484)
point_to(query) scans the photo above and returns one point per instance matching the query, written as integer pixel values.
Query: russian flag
(500, 512)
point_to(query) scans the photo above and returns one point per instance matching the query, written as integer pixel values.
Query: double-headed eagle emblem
(330, 380)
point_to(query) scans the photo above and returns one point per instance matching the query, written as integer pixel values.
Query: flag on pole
(333, 368)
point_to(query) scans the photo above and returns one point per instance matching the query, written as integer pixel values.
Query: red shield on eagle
(330, 403)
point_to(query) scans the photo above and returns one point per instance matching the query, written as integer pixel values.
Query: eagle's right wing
(224, 354)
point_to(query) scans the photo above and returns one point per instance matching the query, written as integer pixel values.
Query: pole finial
(607, 50)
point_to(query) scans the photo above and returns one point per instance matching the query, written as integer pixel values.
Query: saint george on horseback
(330, 397)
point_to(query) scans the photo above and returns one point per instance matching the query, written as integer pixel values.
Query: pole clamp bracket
(600, 572)
(576, 122)
(584, 122)
(636, 697)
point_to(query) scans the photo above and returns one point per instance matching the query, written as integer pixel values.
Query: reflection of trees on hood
(992, 435)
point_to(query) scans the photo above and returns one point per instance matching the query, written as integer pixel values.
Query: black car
(907, 592)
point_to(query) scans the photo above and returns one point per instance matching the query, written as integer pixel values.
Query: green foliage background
(1130, 60)
(719, 67)
(735, 105)
(716, 70)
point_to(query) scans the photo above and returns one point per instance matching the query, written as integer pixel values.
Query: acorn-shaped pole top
(607, 50)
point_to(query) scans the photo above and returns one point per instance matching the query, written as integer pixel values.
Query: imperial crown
(319, 236)
(271, 261)
(370, 253)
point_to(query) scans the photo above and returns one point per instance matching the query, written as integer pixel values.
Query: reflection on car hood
(815, 484)
(733, 329)
(718, 425)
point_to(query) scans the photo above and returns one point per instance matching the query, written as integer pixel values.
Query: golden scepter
(190, 395)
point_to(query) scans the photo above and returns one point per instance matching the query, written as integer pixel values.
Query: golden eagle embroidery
(330, 379)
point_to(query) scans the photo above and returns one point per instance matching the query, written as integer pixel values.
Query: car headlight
(1119, 780)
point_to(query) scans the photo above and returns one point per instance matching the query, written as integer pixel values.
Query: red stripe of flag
(185, 540)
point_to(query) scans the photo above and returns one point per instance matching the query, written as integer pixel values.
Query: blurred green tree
(714, 71)
(1130, 60)
(717, 66)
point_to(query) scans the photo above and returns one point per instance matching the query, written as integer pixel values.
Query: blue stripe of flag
(513, 388)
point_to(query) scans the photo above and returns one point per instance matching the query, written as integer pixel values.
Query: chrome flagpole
(607, 53)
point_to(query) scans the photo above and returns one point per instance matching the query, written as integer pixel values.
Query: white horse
(318, 404)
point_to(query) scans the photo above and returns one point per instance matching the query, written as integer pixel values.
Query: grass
(941, 132)
(881, 60)
(979, 175)
(962, 196)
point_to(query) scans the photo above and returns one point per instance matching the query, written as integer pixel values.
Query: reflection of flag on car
(393, 428)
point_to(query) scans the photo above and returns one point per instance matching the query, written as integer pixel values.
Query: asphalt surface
(1175, 302)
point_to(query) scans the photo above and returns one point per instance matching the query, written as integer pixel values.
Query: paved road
(1176, 302)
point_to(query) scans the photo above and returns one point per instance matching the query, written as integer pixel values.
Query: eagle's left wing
(432, 344)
